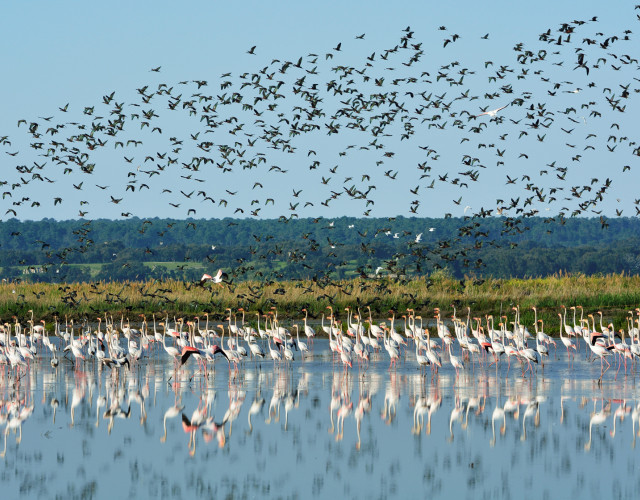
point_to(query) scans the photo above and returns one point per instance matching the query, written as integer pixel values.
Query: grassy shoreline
(614, 295)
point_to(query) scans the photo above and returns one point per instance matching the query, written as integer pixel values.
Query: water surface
(312, 430)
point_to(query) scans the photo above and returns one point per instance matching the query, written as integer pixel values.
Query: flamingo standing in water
(393, 352)
(172, 351)
(308, 331)
(568, 330)
(433, 357)
(376, 330)
(274, 353)
(455, 362)
(599, 350)
(422, 361)
(302, 346)
(566, 341)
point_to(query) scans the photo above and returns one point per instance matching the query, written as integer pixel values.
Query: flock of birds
(359, 341)
(561, 102)
(136, 392)
(539, 120)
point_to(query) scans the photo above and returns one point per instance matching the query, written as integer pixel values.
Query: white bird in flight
(418, 237)
(218, 278)
(493, 112)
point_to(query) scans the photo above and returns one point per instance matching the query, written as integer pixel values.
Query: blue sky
(76, 53)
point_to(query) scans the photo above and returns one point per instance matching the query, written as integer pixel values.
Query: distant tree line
(138, 249)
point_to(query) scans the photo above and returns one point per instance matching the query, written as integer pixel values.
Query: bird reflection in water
(146, 393)
(597, 418)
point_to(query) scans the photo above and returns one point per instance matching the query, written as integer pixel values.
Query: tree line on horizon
(344, 247)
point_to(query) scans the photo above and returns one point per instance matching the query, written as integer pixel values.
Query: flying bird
(218, 278)
(492, 113)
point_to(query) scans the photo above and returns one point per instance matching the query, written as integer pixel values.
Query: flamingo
(398, 339)
(376, 330)
(373, 342)
(422, 361)
(345, 357)
(529, 355)
(170, 350)
(541, 348)
(231, 355)
(75, 346)
(190, 350)
(301, 345)
(359, 348)
(455, 362)
(394, 355)
(54, 359)
(567, 328)
(217, 279)
(599, 350)
(635, 347)
(326, 329)
(308, 331)
(566, 341)
(434, 359)
(606, 332)
(255, 349)
(288, 353)
(275, 354)
(240, 349)
(621, 348)
(496, 345)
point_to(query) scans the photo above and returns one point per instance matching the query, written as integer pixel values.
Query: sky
(79, 52)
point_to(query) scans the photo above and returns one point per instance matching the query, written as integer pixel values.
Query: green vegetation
(613, 294)
(130, 267)
(341, 248)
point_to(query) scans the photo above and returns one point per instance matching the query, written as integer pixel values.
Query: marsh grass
(614, 295)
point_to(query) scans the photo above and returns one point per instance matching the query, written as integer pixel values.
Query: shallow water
(313, 431)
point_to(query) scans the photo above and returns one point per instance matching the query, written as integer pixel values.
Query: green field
(96, 268)
(614, 295)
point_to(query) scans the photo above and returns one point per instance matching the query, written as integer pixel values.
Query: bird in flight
(492, 112)
(218, 278)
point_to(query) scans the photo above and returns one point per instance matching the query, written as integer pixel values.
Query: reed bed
(614, 295)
